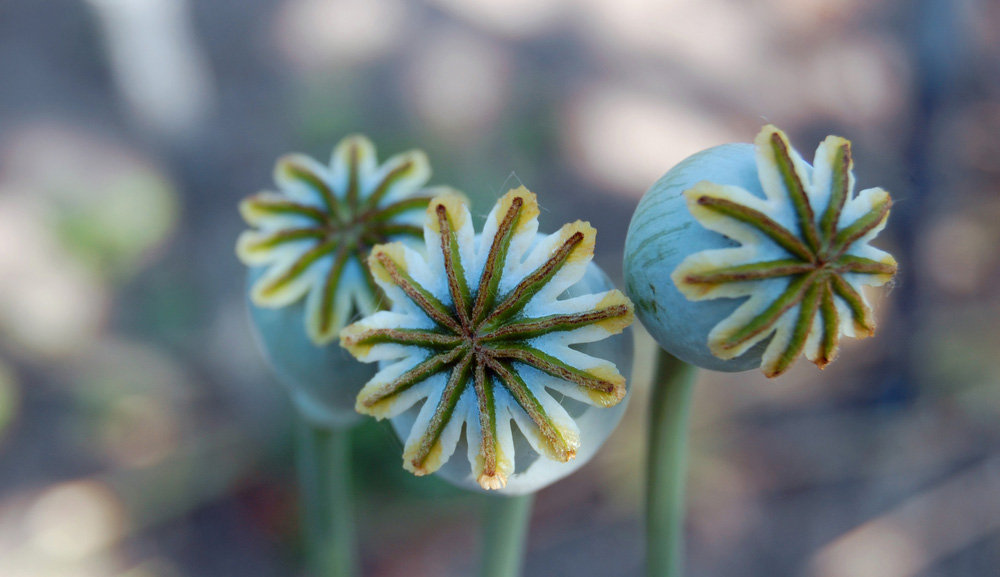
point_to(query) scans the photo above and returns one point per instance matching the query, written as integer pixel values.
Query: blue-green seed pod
(662, 234)
(322, 379)
(747, 255)
(306, 250)
(596, 423)
(503, 362)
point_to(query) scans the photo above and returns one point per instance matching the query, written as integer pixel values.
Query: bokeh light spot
(513, 18)
(626, 140)
(318, 34)
(459, 84)
(75, 519)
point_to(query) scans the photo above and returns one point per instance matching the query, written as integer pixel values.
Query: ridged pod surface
(662, 234)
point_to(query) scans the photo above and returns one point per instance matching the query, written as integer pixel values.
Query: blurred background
(141, 435)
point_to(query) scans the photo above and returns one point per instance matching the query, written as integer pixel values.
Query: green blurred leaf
(115, 230)
(9, 399)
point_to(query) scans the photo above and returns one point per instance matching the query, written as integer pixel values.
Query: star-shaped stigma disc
(803, 258)
(315, 234)
(477, 329)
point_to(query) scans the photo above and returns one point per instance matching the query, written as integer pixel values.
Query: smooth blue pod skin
(532, 471)
(662, 234)
(323, 380)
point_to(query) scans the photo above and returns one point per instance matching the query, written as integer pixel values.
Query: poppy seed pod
(307, 252)
(595, 423)
(486, 330)
(321, 379)
(746, 255)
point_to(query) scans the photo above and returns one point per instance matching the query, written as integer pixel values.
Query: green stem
(506, 535)
(324, 464)
(667, 466)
